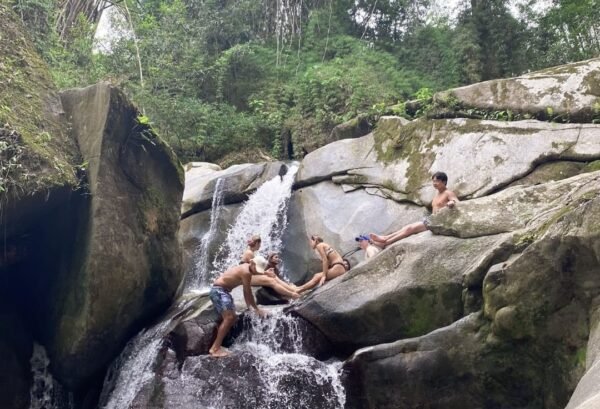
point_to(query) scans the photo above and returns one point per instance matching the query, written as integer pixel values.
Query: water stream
(199, 277)
(279, 375)
(46, 392)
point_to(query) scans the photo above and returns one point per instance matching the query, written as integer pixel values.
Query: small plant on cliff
(11, 153)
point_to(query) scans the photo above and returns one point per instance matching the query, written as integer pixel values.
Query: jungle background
(233, 81)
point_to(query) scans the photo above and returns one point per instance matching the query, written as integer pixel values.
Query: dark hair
(440, 176)
(345, 260)
(318, 239)
(271, 255)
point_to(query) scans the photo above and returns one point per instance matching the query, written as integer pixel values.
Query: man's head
(258, 265)
(439, 179)
(363, 241)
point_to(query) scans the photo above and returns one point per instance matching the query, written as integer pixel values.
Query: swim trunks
(221, 299)
(427, 221)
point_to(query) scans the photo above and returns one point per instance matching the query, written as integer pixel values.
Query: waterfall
(264, 213)
(277, 344)
(133, 368)
(280, 375)
(200, 275)
(46, 392)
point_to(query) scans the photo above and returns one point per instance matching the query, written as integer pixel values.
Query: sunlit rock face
(567, 92)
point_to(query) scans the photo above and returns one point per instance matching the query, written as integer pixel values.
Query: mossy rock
(36, 150)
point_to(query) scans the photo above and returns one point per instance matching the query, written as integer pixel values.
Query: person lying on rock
(366, 244)
(275, 291)
(443, 198)
(254, 243)
(220, 295)
(333, 264)
(269, 279)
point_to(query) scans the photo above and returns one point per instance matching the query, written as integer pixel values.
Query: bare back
(233, 277)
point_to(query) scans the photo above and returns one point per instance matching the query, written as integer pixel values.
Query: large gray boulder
(399, 158)
(239, 181)
(411, 288)
(326, 210)
(570, 92)
(127, 262)
(537, 289)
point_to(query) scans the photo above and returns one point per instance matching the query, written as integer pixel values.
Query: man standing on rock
(220, 295)
(443, 198)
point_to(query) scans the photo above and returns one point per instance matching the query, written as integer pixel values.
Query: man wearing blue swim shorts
(220, 295)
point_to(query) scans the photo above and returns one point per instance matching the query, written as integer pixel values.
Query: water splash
(264, 213)
(276, 342)
(200, 276)
(133, 368)
(46, 392)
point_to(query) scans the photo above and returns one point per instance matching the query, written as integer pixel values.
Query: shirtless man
(366, 244)
(220, 295)
(443, 198)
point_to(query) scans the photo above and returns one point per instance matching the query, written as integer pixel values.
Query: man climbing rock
(220, 295)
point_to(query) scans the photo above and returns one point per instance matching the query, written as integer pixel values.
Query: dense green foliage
(224, 78)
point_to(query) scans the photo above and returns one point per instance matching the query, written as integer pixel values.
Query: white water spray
(276, 341)
(200, 276)
(133, 368)
(264, 213)
(46, 392)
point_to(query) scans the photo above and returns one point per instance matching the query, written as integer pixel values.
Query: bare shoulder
(451, 195)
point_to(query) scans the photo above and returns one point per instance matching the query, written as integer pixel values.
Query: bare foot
(378, 240)
(219, 353)
(295, 296)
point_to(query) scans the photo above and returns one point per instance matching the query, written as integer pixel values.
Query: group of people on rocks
(255, 270)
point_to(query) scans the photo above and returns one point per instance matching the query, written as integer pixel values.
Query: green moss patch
(35, 141)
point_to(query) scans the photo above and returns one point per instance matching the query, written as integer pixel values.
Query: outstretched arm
(452, 199)
(248, 296)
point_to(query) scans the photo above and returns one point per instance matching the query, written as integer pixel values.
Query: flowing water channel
(279, 375)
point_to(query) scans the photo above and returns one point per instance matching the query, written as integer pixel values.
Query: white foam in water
(133, 368)
(46, 392)
(264, 213)
(200, 276)
(292, 379)
(264, 338)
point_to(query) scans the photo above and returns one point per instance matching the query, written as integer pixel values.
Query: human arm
(248, 296)
(270, 273)
(452, 199)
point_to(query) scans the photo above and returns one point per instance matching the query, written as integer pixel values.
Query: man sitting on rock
(220, 295)
(443, 198)
(366, 244)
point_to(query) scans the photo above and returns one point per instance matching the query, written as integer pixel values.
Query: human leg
(311, 283)
(229, 319)
(223, 303)
(404, 232)
(275, 284)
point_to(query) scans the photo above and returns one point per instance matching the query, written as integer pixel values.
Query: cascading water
(276, 341)
(200, 275)
(133, 369)
(274, 371)
(46, 392)
(265, 214)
